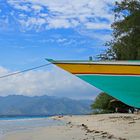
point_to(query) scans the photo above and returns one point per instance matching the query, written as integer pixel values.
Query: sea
(14, 124)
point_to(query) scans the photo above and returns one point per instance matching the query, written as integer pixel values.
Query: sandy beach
(86, 127)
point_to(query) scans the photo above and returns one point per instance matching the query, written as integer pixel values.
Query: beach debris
(136, 118)
(122, 138)
(121, 117)
(110, 136)
(104, 133)
(97, 131)
(132, 122)
(69, 123)
(84, 126)
(60, 116)
(102, 120)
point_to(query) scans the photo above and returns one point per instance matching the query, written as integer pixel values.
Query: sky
(32, 30)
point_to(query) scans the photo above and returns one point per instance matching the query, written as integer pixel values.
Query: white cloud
(53, 82)
(94, 34)
(93, 14)
(58, 23)
(19, 6)
(3, 71)
(97, 26)
(37, 7)
(32, 22)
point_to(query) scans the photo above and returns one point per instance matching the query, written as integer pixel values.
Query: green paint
(124, 88)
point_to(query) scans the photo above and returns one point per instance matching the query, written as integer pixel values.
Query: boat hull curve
(124, 88)
(120, 79)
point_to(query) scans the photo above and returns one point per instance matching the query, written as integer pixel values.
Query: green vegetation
(102, 101)
(126, 32)
(105, 103)
(124, 46)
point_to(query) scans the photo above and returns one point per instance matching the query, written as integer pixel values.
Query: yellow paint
(97, 69)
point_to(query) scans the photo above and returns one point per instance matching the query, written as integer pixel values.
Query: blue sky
(31, 30)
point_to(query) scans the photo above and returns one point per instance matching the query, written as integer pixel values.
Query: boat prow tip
(50, 60)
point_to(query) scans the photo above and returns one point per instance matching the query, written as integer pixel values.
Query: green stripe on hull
(124, 88)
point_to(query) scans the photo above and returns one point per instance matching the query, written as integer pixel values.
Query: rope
(23, 71)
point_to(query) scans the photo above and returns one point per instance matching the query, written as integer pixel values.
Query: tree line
(125, 44)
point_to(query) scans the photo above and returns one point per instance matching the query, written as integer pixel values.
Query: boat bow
(120, 79)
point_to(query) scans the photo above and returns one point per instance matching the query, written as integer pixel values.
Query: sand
(86, 127)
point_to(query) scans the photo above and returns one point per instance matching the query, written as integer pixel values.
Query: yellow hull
(119, 69)
(119, 79)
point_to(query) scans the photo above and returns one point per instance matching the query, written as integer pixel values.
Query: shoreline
(85, 127)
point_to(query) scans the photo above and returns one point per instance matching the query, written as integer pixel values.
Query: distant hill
(42, 105)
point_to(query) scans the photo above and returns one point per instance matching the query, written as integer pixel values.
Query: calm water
(8, 125)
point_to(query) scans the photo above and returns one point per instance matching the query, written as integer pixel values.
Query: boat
(120, 79)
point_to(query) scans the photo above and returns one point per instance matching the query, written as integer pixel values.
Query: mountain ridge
(42, 105)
